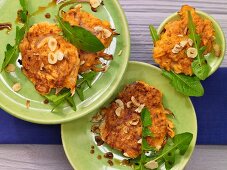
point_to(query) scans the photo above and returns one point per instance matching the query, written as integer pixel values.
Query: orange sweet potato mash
(176, 32)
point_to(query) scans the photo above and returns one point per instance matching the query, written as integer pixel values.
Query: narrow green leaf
(10, 53)
(181, 142)
(187, 85)
(154, 33)
(56, 99)
(71, 102)
(80, 37)
(146, 146)
(80, 93)
(146, 132)
(89, 77)
(146, 118)
(199, 66)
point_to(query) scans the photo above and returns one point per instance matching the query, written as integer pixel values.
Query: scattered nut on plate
(10, 68)
(16, 87)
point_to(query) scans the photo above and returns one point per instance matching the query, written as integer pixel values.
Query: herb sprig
(78, 36)
(167, 155)
(146, 123)
(12, 52)
(65, 95)
(199, 65)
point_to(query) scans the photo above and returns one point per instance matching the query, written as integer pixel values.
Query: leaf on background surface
(187, 85)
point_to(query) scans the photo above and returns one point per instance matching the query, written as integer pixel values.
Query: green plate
(213, 61)
(103, 86)
(77, 137)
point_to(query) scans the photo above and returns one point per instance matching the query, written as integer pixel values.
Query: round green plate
(103, 86)
(212, 60)
(77, 137)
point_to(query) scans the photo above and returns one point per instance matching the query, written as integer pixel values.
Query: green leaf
(181, 142)
(187, 85)
(60, 98)
(154, 33)
(89, 77)
(145, 145)
(24, 13)
(10, 53)
(20, 32)
(86, 79)
(146, 118)
(199, 66)
(80, 37)
(146, 132)
(71, 102)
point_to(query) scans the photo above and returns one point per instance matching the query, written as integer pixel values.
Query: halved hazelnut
(190, 42)
(126, 155)
(41, 66)
(27, 104)
(125, 129)
(140, 108)
(185, 30)
(118, 111)
(134, 122)
(52, 58)
(139, 141)
(78, 6)
(217, 50)
(192, 52)
(82, 62)
(98, 29)
(183, 43)
(95, 128)
(10, 68)
(59, 55)
(120, 103)
(129, 104)
(16, 87)
(151, 165)
(134, 101)
(106, 33)
(97, 118)
(95, 3)
(180, 35)
(52, 43)
(120, 52)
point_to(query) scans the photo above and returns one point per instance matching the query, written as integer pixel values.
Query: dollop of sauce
(41, 9)
(99, 141)
(7, 26)
(47, 15)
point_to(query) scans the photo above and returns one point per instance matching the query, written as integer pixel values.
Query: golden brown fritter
(124, 131)
(176, 32)
(101, 29)
(45, 75)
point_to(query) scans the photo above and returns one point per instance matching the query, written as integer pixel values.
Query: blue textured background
(211, 114)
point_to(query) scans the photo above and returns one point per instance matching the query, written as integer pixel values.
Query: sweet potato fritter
(174, 33)
(101, 29)
(36, 66)
(123, 132)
